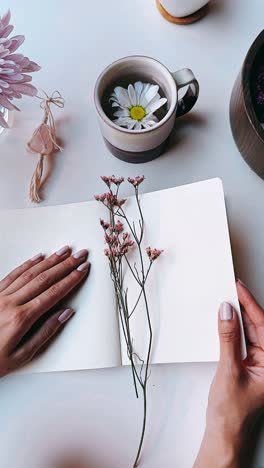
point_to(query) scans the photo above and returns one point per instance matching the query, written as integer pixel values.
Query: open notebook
(186, 285)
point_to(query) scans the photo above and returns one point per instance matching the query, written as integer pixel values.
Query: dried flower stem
(119, 245)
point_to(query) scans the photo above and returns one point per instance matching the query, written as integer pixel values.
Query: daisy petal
(149, 121)
(150, 117)
(151, 93)
(138, 89)
(122, 113)
(138, 126)
(122, 96)
(132, 95)
(156, 105)
(143, 101)
(123, 121)
(132, 124)
(155, 99)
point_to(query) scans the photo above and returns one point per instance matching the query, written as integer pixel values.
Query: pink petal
(3, 123)
(26, 88)
(32, 67)
(11, 94)
(3, 84)
(6, 18)
(7, 30)
(25, 62)
(14, 77)
(25, 79)
(4, 53)
(16, 57)
(17, 96)
(16, 43)
(7, 43)
(5, 102)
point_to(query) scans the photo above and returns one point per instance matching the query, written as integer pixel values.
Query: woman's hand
(26, 294)
(237, 391)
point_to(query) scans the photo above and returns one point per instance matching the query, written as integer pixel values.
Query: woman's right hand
(237, 391)
(27, 294)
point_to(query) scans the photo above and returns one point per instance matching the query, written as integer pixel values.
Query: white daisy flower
(137, 105)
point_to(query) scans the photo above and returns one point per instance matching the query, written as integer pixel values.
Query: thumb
(229, 335)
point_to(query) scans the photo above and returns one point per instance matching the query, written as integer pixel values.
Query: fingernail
(226, 311)
(65, 315)
(84, 267)
(37, 257)
(81, 253)
(241, 282)
(63, 251)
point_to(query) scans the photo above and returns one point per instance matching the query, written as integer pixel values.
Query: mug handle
(185, 77)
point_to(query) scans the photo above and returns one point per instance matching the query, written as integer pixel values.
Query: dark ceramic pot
(246, 127)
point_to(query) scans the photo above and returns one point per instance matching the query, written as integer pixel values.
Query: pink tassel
(43, 142)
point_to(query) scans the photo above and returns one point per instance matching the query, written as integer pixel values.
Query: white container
(181, 8)
(144, 145)
(6, 117)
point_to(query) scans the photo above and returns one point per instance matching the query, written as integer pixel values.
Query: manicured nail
(226, 311)
(65, 315)
(84, 267)
(37, 257)
(81, 253)
(241, 282)
(63, 251)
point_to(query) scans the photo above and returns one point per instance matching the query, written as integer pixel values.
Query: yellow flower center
(137, 113)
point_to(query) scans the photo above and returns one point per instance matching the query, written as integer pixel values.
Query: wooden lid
(185, 19)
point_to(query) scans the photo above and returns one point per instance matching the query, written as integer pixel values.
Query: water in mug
(124, 82)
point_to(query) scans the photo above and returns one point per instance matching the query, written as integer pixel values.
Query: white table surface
(91, 419)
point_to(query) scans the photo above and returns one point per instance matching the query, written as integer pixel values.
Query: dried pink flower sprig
(153, 254)
(116, 248)
(119, 244)
(118, 241)
(110, 200)
(136, 181)
(14, 68)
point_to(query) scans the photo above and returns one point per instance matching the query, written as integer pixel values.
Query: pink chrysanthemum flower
(14, 69)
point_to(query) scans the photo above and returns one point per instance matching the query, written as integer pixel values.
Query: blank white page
(91, 338)
(190, 279)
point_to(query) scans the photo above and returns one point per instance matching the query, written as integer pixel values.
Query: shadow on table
(252, 441)
(217, 7)
(74, 462)
(183, 129)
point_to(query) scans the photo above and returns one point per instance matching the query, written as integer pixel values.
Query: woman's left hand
(237, 391)
(30, 294)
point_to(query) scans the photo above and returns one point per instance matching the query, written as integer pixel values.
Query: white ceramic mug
(143, 145)
(5, 114)
(182, 8)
